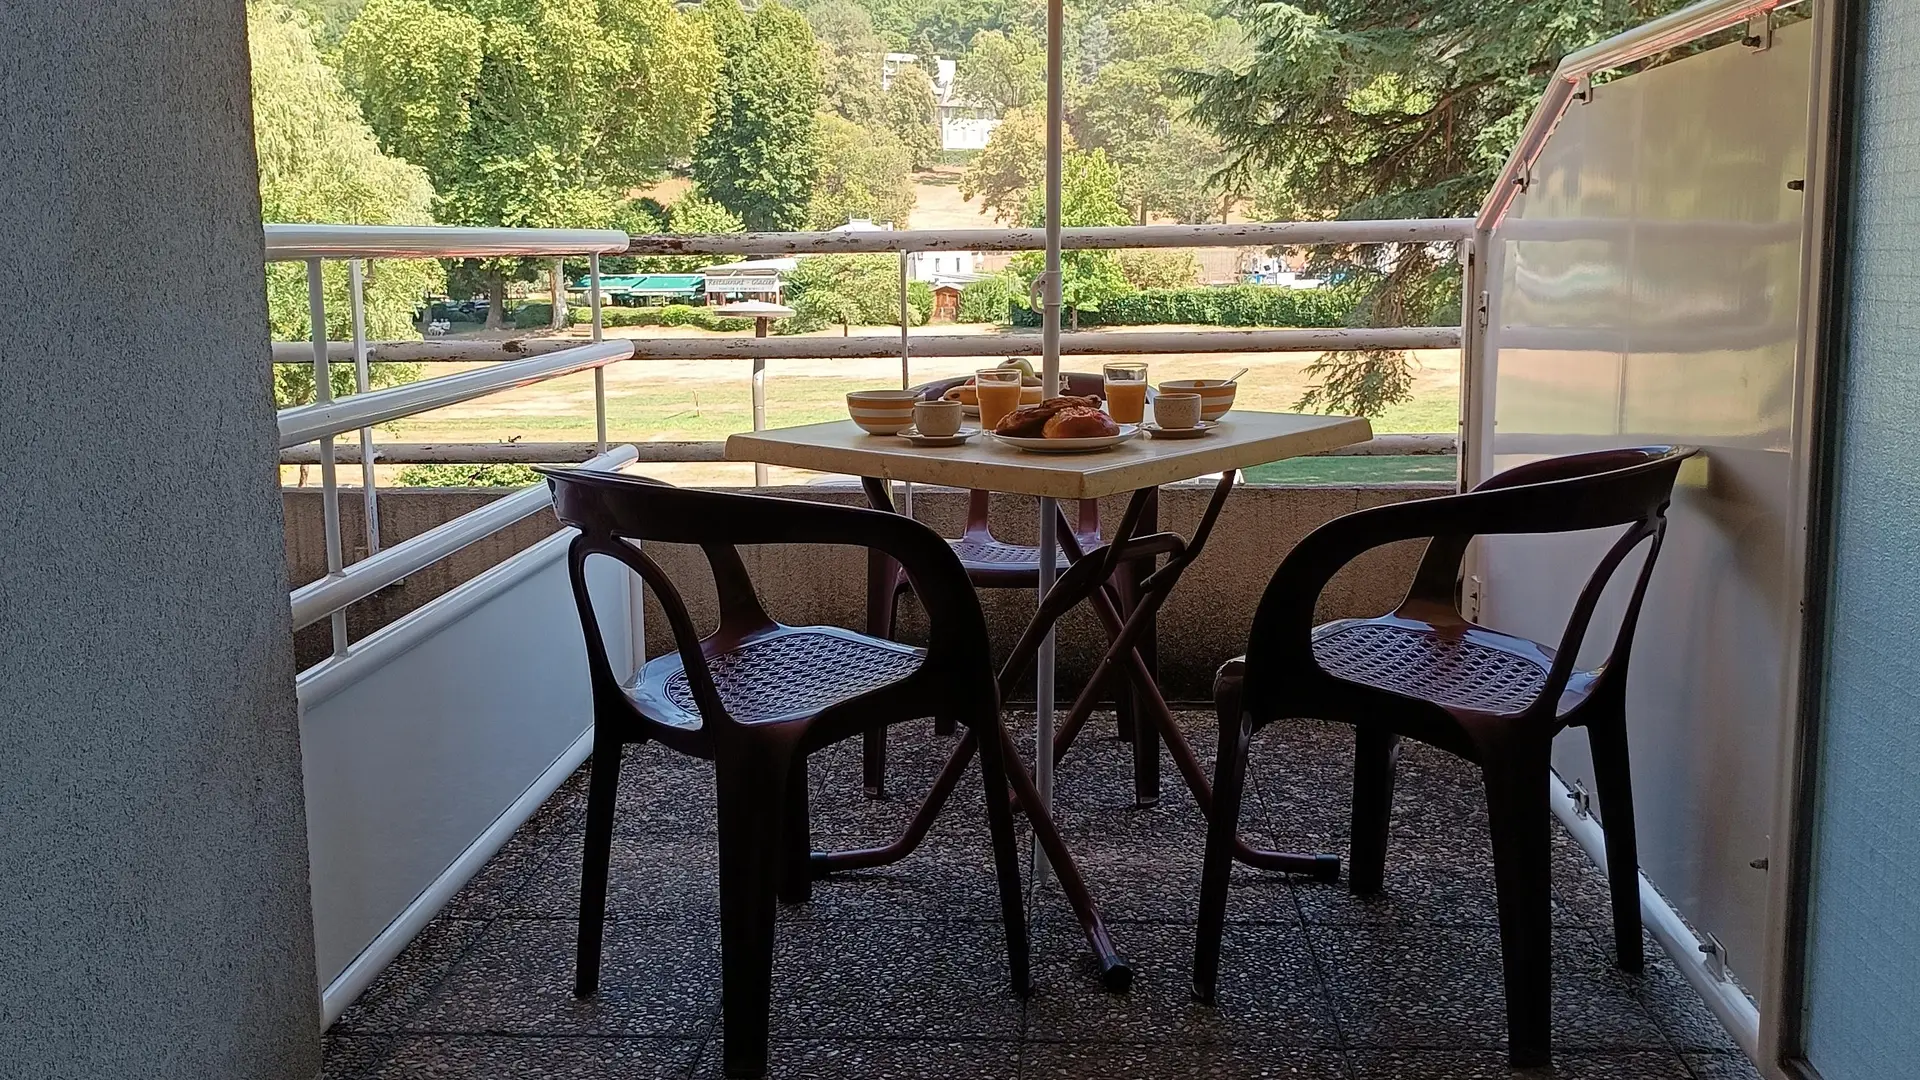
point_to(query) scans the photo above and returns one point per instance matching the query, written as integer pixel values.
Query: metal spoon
(1235, 378)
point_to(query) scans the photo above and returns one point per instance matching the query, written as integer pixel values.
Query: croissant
(1080, 422)
(1030, 421)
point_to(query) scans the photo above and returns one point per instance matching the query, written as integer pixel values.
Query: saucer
(1157, 432)
(913, 436)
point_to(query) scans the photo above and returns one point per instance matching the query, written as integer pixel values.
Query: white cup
(940, 419)
(1176, 411)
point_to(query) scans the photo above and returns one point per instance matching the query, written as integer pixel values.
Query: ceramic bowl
(1216, 397)
(882, 412)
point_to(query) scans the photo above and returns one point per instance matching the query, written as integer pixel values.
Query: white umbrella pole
(1050, 386)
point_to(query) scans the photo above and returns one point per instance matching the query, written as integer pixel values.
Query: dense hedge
(672, 315)
(1233, 305)
(989, 300)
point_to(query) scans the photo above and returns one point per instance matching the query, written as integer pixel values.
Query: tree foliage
(864, 173)
(320, 163)
(1357, 109)
(1004, 71)
(1089, 196)
(850, 290)
(531, 113)
(1013, 162)
(758, 159)
(912, 113)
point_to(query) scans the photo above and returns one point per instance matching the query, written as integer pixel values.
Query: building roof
(646, 284)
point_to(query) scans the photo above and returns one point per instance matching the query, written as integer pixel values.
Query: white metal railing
(517, 354)
(321, 421)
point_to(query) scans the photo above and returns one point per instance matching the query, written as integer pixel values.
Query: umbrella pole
(1050, 387)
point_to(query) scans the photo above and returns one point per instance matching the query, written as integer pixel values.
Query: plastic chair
(756, 697)
(1425, 672)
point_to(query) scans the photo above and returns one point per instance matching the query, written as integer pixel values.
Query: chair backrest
(613, 510)
(1579, 492)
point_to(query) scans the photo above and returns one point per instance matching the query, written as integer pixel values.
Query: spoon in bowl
(1235, 378)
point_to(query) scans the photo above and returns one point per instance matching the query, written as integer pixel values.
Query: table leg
(1043, 673)
(1146, 739)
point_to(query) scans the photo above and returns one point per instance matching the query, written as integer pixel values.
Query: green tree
(850, 290)
(1403, 109)
(850, 54)
(1003, 71)
(1013, 163)
(319, 163)
(1089, 196)
(912, 112)
(758, 159)
(864, 173)
(1158, 269)
(946, 27)
(534, 113)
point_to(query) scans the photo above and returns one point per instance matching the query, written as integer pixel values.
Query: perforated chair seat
(979, 552)
(791, 671)
(1487, 672)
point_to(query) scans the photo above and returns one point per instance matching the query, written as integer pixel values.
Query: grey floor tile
(658, 878)
(1673, 1004)
(494, 1057)
(842, 1059)
(1734, 1066)
(1135, 880)
(1439, 986)
(894, 979)
(658, 980)
(353, 1057)
(1082, 1061)
(953, 878)
(412, 977)
(1492, 1065)
(1268, 991)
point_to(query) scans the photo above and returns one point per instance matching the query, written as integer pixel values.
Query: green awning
(647, 284)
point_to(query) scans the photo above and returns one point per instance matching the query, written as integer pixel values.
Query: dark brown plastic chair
(1425, 672)
(756, 697)
(991, 563)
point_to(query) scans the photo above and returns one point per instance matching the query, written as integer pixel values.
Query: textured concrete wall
(1205, 622)
(154, 919)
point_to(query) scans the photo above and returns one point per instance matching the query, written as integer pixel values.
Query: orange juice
(1127, 401)
(997, 399)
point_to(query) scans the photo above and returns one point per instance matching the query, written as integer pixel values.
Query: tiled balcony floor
(901, 973)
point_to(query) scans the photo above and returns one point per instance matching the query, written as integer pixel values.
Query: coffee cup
(1176, 411)
(939, 419)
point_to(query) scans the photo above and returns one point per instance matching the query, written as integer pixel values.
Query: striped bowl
(882, 412)
(1216, 396)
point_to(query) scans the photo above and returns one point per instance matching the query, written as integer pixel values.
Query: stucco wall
(1205, 622)
(154, 919)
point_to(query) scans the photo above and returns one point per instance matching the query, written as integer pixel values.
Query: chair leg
(1122, 686)
(603, 784)
(883, 606)
(1612, 776)
(1223, 826)
(1006, 859)
(796, 872)
(750, 792)
(1376, 757)
(873, 761)
(1515, 773)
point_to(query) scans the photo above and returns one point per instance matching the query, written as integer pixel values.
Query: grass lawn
(652, 400)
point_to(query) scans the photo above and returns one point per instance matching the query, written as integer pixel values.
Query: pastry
(1030, 421)
(1080, 422)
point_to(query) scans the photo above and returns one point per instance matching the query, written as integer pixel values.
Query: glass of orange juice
(1126, 385)
(999, 393)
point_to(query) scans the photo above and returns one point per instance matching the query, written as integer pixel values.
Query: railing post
(329, 485)
(362, 382)
(906, 373)
(599, 373)
(758, 391)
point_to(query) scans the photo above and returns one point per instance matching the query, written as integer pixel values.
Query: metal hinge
(1525, 180)
(1759, 36)
(1470, 597)
(1582, 802)
(1480, 309)
(1716, 955)
(1583, 90)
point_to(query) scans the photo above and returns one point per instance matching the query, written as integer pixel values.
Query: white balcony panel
(428, 745)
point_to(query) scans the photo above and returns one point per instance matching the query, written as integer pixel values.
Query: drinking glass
(1126, 385)
(998, 390)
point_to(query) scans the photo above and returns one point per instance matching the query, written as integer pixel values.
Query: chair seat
(787, 672)
(1482, 670)
(979, 552)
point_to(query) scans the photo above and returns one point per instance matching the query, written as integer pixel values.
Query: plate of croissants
(1062, 425)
